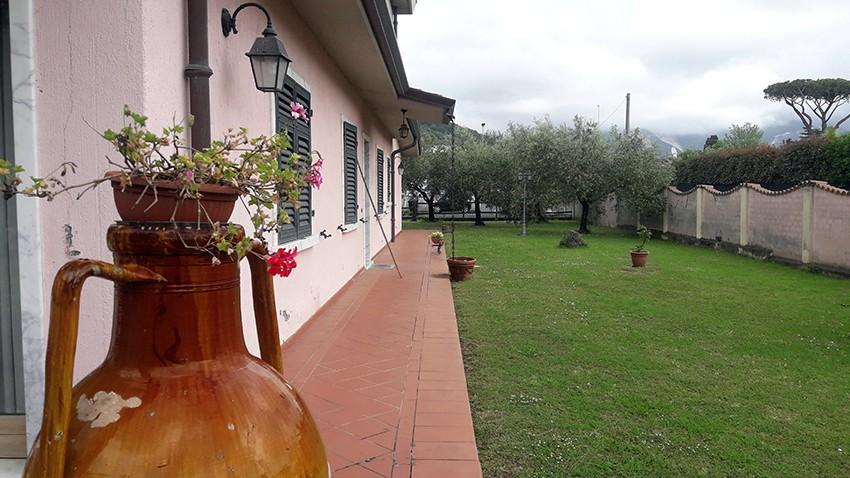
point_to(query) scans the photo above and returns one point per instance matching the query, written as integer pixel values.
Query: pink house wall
(88, 65)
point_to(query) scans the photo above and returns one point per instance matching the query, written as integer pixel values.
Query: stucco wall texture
(681, 214)
(777, 220)
(831, 228)
(605, 213)
(89, 65)
(721, 217)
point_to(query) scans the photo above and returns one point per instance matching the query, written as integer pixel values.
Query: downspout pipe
(198, 72)
(395, 168)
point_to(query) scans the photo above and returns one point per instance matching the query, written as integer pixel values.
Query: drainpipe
(392, 179)
(198, 72)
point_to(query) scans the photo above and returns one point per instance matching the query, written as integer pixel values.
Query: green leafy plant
(437, 235)
(258, 169)
(644, 235)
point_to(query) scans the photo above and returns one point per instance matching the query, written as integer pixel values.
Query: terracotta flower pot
(639, 258)
(216, 204)
(461, 268)
(438, 241)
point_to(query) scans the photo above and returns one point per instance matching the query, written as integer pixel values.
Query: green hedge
(822, 158)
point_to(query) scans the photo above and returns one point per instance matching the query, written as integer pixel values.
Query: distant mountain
(444, 131)
(666, 143)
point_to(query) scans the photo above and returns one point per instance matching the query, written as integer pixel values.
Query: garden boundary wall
(806, 224)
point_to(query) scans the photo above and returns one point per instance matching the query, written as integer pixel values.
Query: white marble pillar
(29, 232)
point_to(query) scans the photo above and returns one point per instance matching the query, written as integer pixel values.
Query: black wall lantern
(403, 130)
(269, 60)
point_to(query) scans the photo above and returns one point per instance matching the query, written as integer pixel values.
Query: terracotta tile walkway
(381, 370)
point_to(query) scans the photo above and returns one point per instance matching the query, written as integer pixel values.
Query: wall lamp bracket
(228, 21)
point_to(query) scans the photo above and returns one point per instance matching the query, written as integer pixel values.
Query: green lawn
(704, 364)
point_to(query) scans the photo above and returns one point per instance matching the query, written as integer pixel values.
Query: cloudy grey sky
(691, 66)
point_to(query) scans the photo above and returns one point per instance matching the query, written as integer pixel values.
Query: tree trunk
(431, 217)
(478, 220)
(585, 211)
(413, 205)
(541, 218)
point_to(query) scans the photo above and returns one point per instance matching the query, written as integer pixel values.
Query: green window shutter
(390, 180)
(380, 168)
(300, 142)
(349, 138)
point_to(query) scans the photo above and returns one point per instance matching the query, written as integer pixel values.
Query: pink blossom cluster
(314, 174)
(299, 111)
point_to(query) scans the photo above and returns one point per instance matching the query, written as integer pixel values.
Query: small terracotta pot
(639, 258)
(437, 240)
(218, 201)
(461, 268)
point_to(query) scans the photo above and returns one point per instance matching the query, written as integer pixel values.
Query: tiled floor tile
(381, 370)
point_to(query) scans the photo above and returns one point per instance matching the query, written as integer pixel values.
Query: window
(380, 167)
(300, 142)
(349, 141)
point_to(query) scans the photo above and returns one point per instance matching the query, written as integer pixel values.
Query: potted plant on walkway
(639, 253)
(178, 324)
(437, 238)
(461, 268)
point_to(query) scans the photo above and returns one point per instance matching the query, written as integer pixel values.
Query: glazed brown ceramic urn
(178, 395)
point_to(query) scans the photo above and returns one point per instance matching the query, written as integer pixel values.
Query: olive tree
(484, 169)
(534, 152)
(740, 136)
(624, 164)
(587, 172)
(427, 175)
(643, 175)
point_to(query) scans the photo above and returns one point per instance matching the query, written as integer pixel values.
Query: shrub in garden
(821, 158)
(727, 168)
(800, 161)
(572, 239)
(837, 168)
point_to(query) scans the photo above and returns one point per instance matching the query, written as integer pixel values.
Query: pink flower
(187, 176)
(299, 111)
(314, 174)
(282, 262)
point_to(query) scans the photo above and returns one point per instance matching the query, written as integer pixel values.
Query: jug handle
(62, 347)
(265, 311)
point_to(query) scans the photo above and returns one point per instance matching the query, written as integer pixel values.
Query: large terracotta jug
(178, 395)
